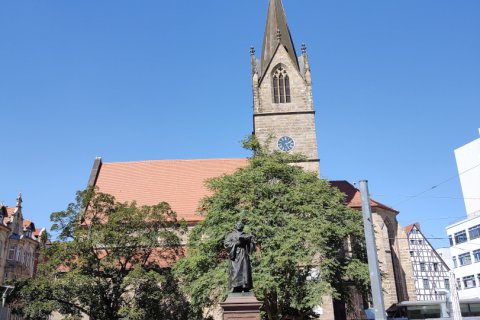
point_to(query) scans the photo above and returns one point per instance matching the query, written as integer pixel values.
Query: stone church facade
(284, 119)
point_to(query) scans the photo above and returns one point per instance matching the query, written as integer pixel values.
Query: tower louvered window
(281, 86)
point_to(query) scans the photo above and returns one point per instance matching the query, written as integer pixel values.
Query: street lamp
(6, 291)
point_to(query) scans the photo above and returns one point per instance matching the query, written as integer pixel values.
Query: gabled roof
(38, 232)
(276, 32)
(27, 224)
(3, 210)
(353, 198)
(6, 219)
(431, 249)
(409, 228)
(177, 182)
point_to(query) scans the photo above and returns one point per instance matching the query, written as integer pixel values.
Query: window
(454, 262)
(465, 259)
(27, 259)
(474, 232)
(412, 241)
(469, 282)
(446, 283)
(459, 284)
(422, 266)
(11, 253)
(412, 253)
(19, 255)
(30, 259)
(460, 237)
(281, 86)
(420, 241)
(476, 255)
(435, 266)
(426, 284)
(451, 240)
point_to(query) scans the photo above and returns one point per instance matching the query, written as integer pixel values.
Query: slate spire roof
(276, 32)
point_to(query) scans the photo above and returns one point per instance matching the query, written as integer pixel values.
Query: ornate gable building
(283, 117)
(19, 243)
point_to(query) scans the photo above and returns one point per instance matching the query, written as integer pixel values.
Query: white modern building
(446, 256)
(464, 235)
(468, 164)
(465, 250)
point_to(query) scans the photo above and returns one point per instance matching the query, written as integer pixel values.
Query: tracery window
(281, 86)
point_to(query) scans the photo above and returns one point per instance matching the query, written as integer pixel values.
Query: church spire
(276, 32)
(18, 206)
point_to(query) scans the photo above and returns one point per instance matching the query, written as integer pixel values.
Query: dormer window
(281, 86)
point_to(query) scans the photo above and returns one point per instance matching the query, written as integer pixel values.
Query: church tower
(283, 111)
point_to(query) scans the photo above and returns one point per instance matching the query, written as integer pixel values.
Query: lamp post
(6, 291)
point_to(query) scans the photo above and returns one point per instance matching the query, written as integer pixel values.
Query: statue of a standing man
(239, 246)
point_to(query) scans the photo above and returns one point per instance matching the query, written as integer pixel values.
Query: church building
(284, 118)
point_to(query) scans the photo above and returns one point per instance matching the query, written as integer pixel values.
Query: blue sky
(396, 90)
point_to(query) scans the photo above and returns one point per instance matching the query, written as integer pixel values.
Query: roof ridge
(175, 160)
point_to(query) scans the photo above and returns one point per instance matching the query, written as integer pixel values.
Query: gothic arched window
(281, 86)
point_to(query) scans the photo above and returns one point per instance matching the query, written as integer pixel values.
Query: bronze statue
(239, 245)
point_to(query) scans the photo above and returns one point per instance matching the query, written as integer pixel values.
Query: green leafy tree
(301, 226)
(111, 261)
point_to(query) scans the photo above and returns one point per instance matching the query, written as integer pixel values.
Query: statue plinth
(241, 306)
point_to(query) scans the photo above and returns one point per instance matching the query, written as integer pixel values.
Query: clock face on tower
(286, 144)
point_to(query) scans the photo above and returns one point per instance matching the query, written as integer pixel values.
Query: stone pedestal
(241, 306)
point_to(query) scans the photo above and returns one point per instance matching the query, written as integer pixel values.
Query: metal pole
(375, 277)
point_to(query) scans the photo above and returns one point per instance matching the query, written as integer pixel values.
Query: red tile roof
(26, 223)
(177, 182)
(410, 227)
(38, 232)
(353, 197)
(181, 183)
